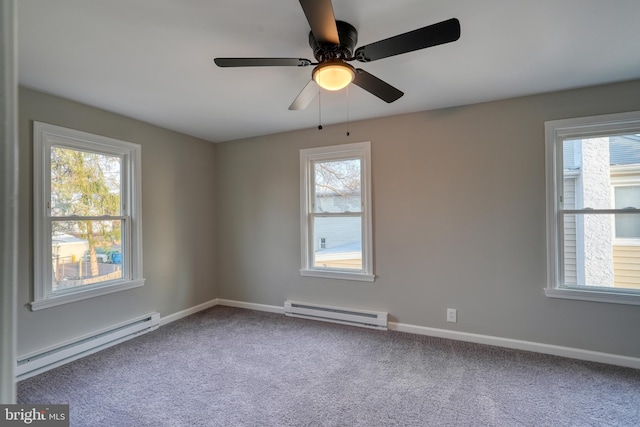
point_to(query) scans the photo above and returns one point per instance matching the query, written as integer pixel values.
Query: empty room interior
(207, 232)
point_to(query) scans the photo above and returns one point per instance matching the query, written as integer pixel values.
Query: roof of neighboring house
(624, 150)
(62, 239)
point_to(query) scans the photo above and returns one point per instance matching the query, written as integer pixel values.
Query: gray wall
(459, 221)
(178, 221)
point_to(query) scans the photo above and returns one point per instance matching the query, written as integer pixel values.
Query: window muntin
(335, 212)
(87, 225)
(588, 161)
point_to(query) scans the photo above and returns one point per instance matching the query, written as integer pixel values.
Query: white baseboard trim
(218, 301)
(188, 312)
(252, 306)
(569, 352)
(555, 350)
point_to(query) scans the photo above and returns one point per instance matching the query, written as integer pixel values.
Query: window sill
(341, 275)
(620, 297)
(55, 300)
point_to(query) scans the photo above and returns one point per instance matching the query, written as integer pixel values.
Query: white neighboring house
(338, 243)
(68, 248)
(602, 174)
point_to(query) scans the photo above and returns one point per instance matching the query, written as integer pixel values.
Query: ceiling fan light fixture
(333, 75)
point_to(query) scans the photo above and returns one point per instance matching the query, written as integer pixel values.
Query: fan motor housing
(348, 36)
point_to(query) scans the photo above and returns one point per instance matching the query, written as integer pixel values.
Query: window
(87, 217)
(626, 196)
(593, 203)
(323, 243)
(336, 212)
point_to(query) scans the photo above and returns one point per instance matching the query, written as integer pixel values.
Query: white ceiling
(153, 59)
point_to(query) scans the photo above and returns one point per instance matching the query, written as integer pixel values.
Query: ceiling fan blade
(432, 35)
(305, 96)
(261, 62)
(376, 87)
(321, 19)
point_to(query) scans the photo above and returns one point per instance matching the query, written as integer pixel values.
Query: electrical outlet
(452, 315)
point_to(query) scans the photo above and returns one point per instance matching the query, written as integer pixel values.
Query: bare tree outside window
(338, 178)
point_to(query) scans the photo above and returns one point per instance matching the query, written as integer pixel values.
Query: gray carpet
(233, 367)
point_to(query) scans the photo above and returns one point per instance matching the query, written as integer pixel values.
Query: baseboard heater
(342, 315)
(44, 360)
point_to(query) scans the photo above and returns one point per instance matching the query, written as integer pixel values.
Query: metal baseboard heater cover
(342, 315)
(52, 357)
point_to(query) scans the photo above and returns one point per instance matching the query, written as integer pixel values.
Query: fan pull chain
(319, 110)
(348, 111)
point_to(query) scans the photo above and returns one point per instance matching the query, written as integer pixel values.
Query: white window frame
(45, 136)
(358, 150)
(556, 132)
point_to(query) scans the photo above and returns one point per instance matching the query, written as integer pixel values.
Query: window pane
(342, 240)
(587, 162)
(86, 252)
(627, 225)
(627, 197)
(591, 258)
(337, 186)
(84, 183)
(589, 165)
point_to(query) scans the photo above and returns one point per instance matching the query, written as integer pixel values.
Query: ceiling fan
(333, 44)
